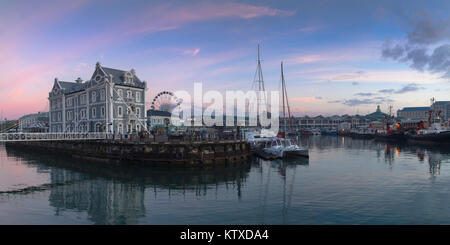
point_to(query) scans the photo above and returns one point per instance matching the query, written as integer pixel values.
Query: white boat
(281, 148)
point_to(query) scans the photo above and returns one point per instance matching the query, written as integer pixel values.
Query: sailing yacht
(282, 146)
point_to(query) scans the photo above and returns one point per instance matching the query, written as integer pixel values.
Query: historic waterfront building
(334, 122)
(111, 101)
(414, 113)
(34, 123)
(158, 120)
(443, 108)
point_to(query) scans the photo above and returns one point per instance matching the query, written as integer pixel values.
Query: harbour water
(345, 181)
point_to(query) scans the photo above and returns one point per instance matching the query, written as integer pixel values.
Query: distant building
(334, 122)
(158, 119)
(413, 113)
(111, 101)
(442, 107)
(34, 123)
(377, 115)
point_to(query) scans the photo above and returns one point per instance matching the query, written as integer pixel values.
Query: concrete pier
(176, 153)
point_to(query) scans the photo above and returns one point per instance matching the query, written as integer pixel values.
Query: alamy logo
(238, 108)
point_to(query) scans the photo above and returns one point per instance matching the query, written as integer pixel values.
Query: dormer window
(128, 78)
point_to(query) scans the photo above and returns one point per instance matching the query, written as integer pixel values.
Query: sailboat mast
(258, 85)
(282, 97)
(285, 96)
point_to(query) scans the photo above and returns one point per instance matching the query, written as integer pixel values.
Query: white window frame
(102, 94)
(119, 111)
(138, 96)
(102, 111)
(94, 112)
(94, 96)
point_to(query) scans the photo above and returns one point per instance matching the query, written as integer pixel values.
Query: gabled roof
(118, 77)
(71, 87)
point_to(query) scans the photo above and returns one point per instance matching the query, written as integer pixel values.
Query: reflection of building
(34, 123)
(106, 201)
(119, 194)
(111, 101)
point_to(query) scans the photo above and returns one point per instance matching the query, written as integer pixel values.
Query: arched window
(119, 111)
(94, 96)
(102, 94)
(138, 96)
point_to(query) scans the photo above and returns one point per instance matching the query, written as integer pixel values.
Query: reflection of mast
(258, 86)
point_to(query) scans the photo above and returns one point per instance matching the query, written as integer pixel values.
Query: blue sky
(332, 50)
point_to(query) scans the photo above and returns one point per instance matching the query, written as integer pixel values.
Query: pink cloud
(306, 59)
(29, 78)
(168, 17)
(192, 52)
(309, 29)
(305, 99)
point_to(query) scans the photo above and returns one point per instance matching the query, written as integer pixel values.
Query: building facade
(414, 113)
(332, 122)
(158, 119)
(111, 101)
(443, 108)
(34, 123)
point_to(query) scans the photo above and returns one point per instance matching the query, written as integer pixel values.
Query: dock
(169, 153)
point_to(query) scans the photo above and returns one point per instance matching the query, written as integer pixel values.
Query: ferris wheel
(165, 101)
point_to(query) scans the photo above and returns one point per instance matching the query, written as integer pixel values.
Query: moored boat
(434, 134)
(282, 148)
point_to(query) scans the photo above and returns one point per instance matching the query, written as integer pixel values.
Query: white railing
(53, 136)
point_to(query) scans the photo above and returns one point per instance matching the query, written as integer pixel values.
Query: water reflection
(345, 181)
(115, 194)
(388, 152)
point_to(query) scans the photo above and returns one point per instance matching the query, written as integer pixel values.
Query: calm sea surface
(345, 181)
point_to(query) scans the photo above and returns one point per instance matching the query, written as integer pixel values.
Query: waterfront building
(334, 122)
(443, 107)
(413, 113)
(9, 126)
(158, 121)
(377, 115)
(34, 123)
(111, 101)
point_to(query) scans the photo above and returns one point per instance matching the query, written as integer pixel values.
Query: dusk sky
(340, 57)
